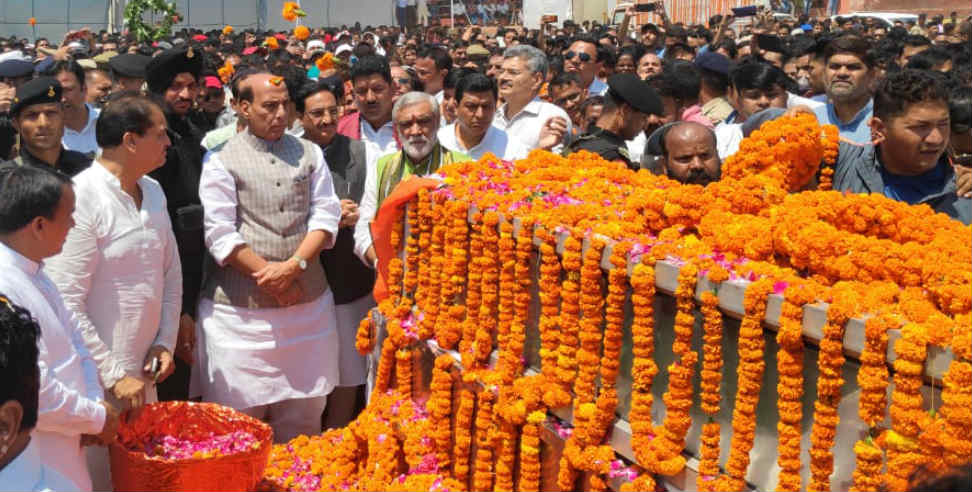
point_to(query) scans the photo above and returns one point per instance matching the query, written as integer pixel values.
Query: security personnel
(39, 119)
(627, 104)
(128, 71)
(174, 77)
(13, 73)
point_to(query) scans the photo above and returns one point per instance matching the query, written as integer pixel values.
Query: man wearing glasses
(583, 59)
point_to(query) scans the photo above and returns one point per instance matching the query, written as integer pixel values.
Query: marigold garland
(905, 409)
(489, 290)
(291, 11)
(711, 378)
(449, 331)
(569, 314)
(474, 285)
(867, 473)
(590, 333)
(483, 471)
(463, 433)
(643, 368)
(957, 412)
(530, 453)
(507, 291)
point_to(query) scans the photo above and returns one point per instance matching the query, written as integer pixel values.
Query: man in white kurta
(70, 401)
(268, 339)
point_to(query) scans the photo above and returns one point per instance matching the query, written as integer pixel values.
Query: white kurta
(83, 141)
(70, 394)
(119, 272)
(250, 357)
(495, 141)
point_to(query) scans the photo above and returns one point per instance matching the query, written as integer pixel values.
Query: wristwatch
(302, 263)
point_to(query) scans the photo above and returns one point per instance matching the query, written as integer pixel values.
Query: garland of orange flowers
(506, 455)
(483, 472)
(530, 453)
(830, 362)
(489, 290)
(957, 413)
(905, 410)
(869, 461)
(431, 269)
(519, 292)
(872, 377)
(423, 212)
(590, 334)
(643, 367)
(685, 305)
(507, 287)
(750, 380)
(474, 285)
(831, 144)
(607, 399)
(550, 302)
(569, 314)
(463, 433)
(440, 408)
(403, 372)
(449, 331)
(711, 379)
(789, 364)
(412, 251)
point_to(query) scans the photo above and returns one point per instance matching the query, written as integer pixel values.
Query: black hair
(729, 45)
(756, 75)
(853, 45)
(591, 101)
(564, 78)
(914, 40)
(929, 59)
(437, 54)
(371, 65)
(475, 82)
(294, 77)
(130, 112)
(587, 38)
(675, 48)
(682, 80)
(69, 66)
(28, 192)
(452, 78)
(311, 88)
(901, 89)
(20, 380)
(8, 136)
(635, 51)
(960, 108)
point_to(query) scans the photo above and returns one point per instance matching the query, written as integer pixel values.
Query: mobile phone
(645, 7)
(155, 367)
(748, 11)
(548, 18)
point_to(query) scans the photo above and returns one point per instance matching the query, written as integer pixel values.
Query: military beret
(162, 70)
(476, 50)
(15, 68)
(712, 61)
(129, 65)
(104, 57)
(38, 91)
(636, 92)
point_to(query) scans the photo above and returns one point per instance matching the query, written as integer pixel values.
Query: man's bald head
(263, 104)
(690, 155)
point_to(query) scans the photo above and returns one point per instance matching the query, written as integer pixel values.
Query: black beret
(38, 91)
(162, 70)
(129, 65)
(15, 68)
(712, 61)
(636, 92)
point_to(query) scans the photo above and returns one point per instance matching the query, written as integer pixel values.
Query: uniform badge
(50, 91)
(189, 53)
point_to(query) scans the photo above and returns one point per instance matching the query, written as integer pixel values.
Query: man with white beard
(416, 120)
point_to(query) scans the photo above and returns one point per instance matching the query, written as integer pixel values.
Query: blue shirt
(914, 189)
(856, 130)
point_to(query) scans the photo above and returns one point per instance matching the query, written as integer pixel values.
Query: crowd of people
(190, 217)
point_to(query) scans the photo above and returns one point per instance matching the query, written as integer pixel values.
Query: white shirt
(26, 472)
(495, 141)
(795, 100)
(119, 272)
(636, 147)
(261, 356)
(597, 88)
(366, 213)
(70, 394)
(83, 141)
(377, 142)
(728, 136)
(526, 124)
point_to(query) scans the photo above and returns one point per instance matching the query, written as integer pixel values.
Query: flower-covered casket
(565, 323)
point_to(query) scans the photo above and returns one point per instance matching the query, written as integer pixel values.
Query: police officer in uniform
(627, 104)
(38, 117)
(174, 75)
(128, 71)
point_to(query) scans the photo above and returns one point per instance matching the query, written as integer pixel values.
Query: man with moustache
(688, 152)
(267, 313)
(373, 92)
(79, 116)
(473, 133)
(173, 76)
(38, 117)
(416, 118)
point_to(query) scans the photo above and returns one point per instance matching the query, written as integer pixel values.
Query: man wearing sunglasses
(583, 59)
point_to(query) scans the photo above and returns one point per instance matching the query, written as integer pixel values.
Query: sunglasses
(583, 57)
(404, 81)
